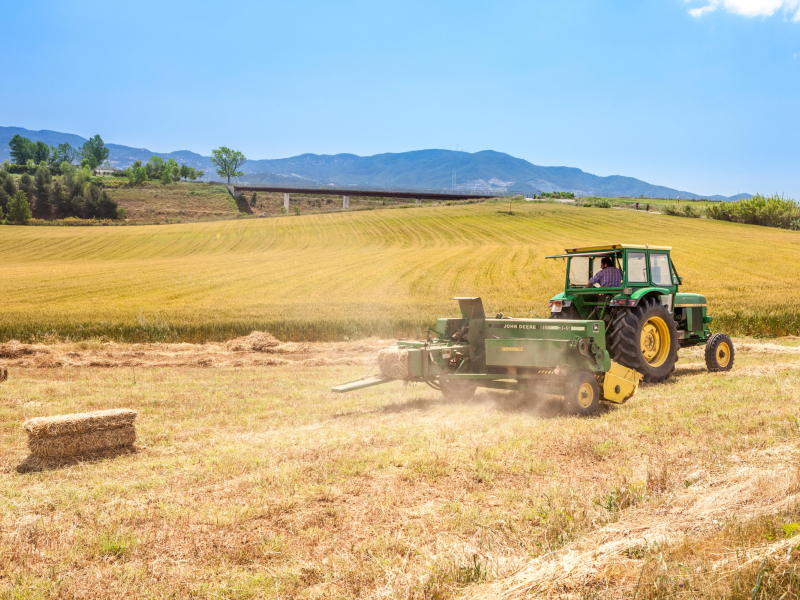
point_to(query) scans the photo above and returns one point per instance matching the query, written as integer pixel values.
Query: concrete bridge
(345, 192)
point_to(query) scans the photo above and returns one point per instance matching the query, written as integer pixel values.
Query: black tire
(457, 389)
(719, 353)
(567, 312)
(628, 346)
(582, 394)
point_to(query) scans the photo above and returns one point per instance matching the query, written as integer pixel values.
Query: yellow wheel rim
(585, 395)
(723, 354)
(655, 341)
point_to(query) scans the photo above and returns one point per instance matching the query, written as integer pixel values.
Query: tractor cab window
(659, 270)
(637, 267)
(579, 271)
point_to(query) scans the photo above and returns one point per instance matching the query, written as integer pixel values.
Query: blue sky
(700, 95)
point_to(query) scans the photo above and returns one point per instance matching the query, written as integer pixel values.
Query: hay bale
(393, 362)
(82, 443)
(66, 425)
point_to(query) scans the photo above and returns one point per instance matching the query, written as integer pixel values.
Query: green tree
(170, 171)
(21, 149)
(8, 186)
(43, 192)
(65, 153)
(61, 201)
(19, 209)
(227, 161)
(154, 167)
(41, 153)
(106, 206)
(137, 173)
(26, 185)
(4, 196)
(94, 152)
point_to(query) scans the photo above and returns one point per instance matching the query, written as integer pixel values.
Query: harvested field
(256, 349)
(255, 481)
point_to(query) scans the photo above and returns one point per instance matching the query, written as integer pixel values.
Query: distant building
(105, 171)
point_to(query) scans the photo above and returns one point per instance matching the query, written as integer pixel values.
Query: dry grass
(382, 273)
(258, 482)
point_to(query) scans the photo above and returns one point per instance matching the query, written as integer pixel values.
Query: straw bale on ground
(70, 425)
(82, 443)
(393, 362)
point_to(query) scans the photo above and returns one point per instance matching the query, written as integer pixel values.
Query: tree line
(25, 151)
(77, 193)
(44, 196)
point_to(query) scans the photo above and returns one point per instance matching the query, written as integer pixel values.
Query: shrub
(769, 211)
(685, 210)
(597, 203)
(19, 209)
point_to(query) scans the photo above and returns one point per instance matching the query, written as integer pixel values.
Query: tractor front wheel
(582, 394)
(719, 353)
(645, 338)
(457, 389)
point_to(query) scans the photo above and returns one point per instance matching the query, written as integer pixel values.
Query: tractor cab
(645, 271)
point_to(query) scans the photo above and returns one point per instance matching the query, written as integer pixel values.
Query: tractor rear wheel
(567, 312)
(457, 389)
(719, 353)
(582, 394)
(645, 338)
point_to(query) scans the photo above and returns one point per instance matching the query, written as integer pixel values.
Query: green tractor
(604, 342)
(646, 318)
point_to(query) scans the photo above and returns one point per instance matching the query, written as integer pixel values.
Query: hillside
(381, 272)
(417, 169)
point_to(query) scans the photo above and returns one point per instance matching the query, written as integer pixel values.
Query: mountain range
(417, 169)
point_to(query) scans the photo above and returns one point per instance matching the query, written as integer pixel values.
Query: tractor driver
(609, 275)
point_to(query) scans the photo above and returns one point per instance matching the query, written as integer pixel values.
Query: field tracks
(765, 484)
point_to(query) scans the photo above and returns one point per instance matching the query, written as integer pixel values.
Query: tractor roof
(616, 247)
(606, 250)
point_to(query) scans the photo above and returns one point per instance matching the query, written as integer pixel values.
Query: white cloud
(750, 8)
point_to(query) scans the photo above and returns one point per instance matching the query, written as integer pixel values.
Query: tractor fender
(650, 291)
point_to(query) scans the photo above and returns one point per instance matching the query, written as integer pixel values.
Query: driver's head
(606, 262)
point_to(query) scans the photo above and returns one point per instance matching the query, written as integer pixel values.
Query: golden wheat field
(381, 272)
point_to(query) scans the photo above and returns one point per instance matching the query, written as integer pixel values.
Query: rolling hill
(417, 169)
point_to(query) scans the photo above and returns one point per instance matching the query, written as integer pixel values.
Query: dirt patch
(257, 349)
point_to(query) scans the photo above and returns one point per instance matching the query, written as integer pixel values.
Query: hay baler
(564, 357)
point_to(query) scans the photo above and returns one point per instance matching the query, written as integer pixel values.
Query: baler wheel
(457, 389)
(645, 338)
(582, 394)
(719, 353)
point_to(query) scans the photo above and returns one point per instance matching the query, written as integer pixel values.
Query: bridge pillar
(345, 202)
(419, 201)
(286, 202)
